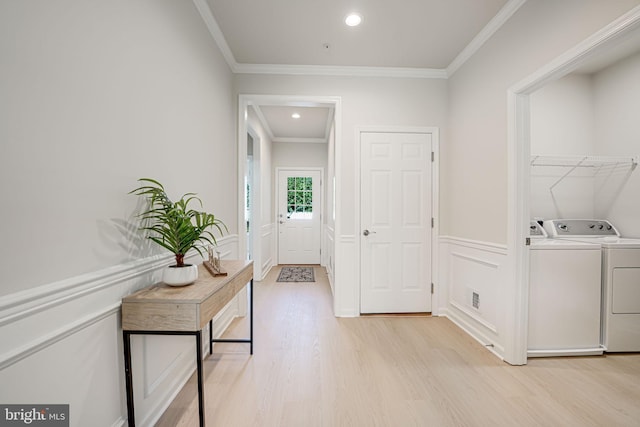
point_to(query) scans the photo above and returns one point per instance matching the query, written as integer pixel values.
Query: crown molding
(345, 71)
(301, 140)
(485, 34)
(216, 32)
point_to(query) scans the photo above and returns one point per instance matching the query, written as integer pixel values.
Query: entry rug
(296, 274)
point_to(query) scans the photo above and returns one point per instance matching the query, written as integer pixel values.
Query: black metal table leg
(240, 340)
(251, 317)
(211, 336)
(126, 339)
(126, 335)
(200, 379)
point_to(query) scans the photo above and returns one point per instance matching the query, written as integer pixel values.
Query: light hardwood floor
(312, 369)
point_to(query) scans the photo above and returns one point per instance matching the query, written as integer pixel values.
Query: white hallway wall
(563, 124)
(302, 154)
(474, 160)
(617, 103)
(94, 96)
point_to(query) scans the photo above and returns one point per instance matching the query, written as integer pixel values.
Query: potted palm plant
(177, 227)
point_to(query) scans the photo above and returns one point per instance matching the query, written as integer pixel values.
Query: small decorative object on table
(213, 263)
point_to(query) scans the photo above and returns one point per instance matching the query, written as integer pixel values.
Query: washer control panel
(536, 230)
(580, 228)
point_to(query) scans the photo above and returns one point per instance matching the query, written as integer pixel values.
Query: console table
(164, 310)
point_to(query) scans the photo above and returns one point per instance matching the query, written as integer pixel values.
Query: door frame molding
(519, 153)
(435, 207)
(277, 201)
(256, 197)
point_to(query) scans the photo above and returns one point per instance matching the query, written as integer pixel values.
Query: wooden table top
(161, 307)
(205, 286)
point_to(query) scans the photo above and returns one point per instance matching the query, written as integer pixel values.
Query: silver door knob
(367, 232)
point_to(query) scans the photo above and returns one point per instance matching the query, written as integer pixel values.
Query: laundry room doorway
(604, 45)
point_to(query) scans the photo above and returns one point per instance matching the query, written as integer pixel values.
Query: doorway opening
(261, 235)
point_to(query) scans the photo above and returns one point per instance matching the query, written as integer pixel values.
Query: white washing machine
(564, 297)
(620, 279)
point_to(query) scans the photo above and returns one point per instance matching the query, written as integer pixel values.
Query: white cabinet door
(299, 216)
(395, 239)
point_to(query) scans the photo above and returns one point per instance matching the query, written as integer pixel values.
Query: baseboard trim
(266, 269)
(475, 318)
(474, 333)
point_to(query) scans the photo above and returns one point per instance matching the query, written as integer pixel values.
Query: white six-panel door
(395, 235)
(299, 216)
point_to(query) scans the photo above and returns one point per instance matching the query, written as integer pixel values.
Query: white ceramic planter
(180, 276)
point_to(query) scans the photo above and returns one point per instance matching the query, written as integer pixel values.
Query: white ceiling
(398, 33)
(417, 38)
(313, 125)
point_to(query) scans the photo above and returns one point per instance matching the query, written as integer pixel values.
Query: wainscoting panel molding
(473, 276)
(68, 333)
(267, 242)
(347, 295)
(329, 256)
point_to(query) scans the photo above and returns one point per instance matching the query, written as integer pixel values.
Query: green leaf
(175, 226)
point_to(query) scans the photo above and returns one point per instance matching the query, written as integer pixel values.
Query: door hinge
(432, 288)
(432, 222)
(527, 241)
(433, 156)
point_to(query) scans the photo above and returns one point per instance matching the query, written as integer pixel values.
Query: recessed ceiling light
(353, 20)
(295, 116)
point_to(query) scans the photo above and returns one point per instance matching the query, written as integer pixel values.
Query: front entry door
(299, 216)
(395, 238)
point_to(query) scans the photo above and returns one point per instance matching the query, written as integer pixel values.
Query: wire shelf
(573, 162)
(583, 161)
